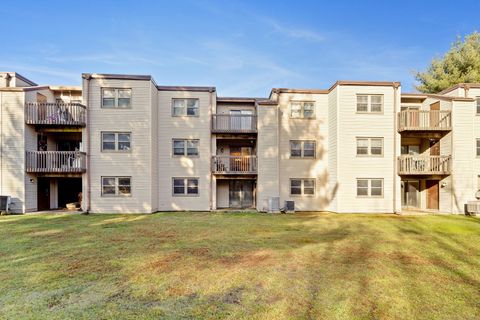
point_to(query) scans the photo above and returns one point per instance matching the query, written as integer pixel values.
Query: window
(185, 186)
(478, 147)
(302, 110)
(116, 186)
(478, 105)
(369, 103)
(369, 146)
(116, 141)
(185, 107)
(116, 98)
(184, 147)
(302, 187)
(302, 149)
(369, 187)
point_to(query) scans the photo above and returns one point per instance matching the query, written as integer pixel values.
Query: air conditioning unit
(289, 206)
(5, 203)
(273, 204)
(473, 207)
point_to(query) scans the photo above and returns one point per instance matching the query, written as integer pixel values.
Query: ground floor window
(370, 187)
(302, 187)
(185, 186)
(116, 186)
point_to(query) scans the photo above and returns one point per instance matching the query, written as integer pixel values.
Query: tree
(461, 64)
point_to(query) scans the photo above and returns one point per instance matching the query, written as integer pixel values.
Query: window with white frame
(185, 186)
(302, 110)
(370, 103)
(116, 141)
(302, 148)
(185, 147)
(369, 146)
(478, 105)
(116, 186)
(185, 107)
(120, 98)
(300, 187)
(478, 147)
(369, 187)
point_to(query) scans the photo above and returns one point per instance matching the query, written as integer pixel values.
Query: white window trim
(117, 193)
(185, 180)
(186, 107)
(302, 110)
(115, 105)
(116, 133)
(369, 104)
(302, 187)
(369, 147)
(185, 148)
(369, 188)
(302, 149)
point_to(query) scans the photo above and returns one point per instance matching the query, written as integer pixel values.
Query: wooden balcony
(424, 165)
(56, 161)
(424, 120)
(234, 164)
(55, 114)
(228, 123)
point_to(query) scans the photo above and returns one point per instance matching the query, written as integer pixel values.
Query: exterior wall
(225, 108)
(223, 194)
(154, 147)
(333, 110)
(304, 129)
(350, 167)
(135, 164)
(267, 153)
(171, 127)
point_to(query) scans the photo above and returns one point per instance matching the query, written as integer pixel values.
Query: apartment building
(122, 143)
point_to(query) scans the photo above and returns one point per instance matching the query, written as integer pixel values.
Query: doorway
(433, 194)
(68, 191)
(411, 194)
(241, 194)
(43, 194)
(240, 161)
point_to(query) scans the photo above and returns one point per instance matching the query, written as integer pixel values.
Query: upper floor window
(370, 103)
(302, 110)
(369, 187)
(478, 105)
(116, 98)
(185, 107)
(185, 186)
(302, 149)
(478, 147)
(185, 147)
(369, 146)
(302, 187)
(116, 141)
(116, 186)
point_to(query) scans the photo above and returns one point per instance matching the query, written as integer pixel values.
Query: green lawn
(239, 266)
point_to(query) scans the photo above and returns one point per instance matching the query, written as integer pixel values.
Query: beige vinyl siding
(225, 108)
(135, 164)
(267, 153)
(223, 197)
(333, 147)
(168, 167)
(154, 147)
(350, 167)
(315, 129)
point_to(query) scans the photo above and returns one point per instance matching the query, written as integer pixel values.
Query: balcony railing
(234, 164)
(234, 123)
(55, 161)
(424, 120)
(65, 114)
(424, 165)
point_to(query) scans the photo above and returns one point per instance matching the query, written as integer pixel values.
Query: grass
(239, 266)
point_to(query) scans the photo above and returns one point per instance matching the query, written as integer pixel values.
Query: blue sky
(244, 48)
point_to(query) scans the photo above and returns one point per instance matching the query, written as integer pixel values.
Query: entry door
(240, 163)
(432, 194)
(410, 194)
(435, 115)
(241, 194)
(434, 147)
(43, 194)
(247, 121)
(235, 121)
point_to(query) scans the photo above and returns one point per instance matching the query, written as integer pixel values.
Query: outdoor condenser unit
(473, 208)
(273, 204)
(4, 204)
(289, 206)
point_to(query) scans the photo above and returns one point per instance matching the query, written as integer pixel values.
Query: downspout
(87, 133)
(396, 85)
(1, 143)
(211, 152)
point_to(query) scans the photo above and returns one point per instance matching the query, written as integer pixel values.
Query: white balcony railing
(424, 165)
(234, 123)
(424, 120)
(55, 161)
(66, 114)
(234, 164)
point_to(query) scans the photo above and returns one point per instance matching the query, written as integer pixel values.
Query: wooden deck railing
(233, 123)
(69, 114)
(424, 120)
(234, 164)
(55, 161)
(421, 165)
